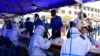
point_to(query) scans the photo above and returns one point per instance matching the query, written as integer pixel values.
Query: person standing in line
(55, 24)
(43, 19)
(29, 26)
(37, 21)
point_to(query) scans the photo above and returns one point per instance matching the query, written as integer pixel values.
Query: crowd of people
(79, 41)
(36, 32)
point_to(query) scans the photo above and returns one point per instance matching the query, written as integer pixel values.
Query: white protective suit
(9, 32)
(14, 31)
(14, 37)
(75, 46)
(37, 43)
(12, 34)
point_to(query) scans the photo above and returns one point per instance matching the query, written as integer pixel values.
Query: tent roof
(21, 7)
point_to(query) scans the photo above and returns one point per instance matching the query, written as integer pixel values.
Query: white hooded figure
(11, 33)
(14, 36)
(14, 30)
(37, 43)
(75, 45)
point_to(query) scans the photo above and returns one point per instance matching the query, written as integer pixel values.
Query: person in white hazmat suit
(14, 36)
(37, 43)
(75, 45)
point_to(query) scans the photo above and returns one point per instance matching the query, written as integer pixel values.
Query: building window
(99, 10)
(84, 8)
(46, 11)
(88, 14)
(57, 10)
(88, 8)
(96, 10)
(75, 13)
(75, 7)
(91, 9)
(69, 6)
(96, 15)
(70, 12)
(63, 11)
(92, 15)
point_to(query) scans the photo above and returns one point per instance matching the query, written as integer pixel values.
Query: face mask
(42, 34)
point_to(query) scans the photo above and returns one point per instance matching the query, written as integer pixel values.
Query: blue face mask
(42, 34)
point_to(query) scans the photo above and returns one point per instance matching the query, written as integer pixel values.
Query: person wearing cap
(37, 21)
(38, 44)
(55, 24)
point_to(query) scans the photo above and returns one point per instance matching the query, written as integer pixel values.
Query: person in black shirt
(38, 21)
(29, 26)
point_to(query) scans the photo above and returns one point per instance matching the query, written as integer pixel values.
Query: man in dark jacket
(29, 26)
(37, 21)
(56, 24)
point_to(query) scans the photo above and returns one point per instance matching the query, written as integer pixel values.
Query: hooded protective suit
(75, 45)
(37, 44)
(14, 36)
(14, 32)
